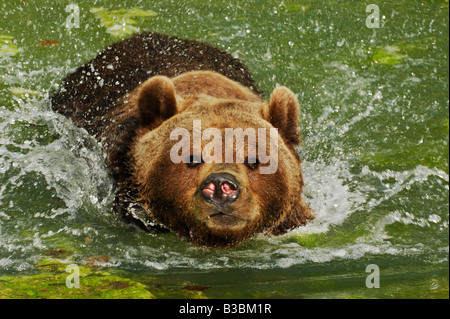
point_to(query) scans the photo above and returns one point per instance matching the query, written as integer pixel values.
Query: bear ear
(284, 111)
(156, 100)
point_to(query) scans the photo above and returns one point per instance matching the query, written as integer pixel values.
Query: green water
(375, 130)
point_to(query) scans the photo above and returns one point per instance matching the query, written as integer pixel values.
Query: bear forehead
(213, 116)
(207, 107)
(212, 84)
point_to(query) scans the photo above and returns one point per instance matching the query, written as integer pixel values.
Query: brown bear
(169, 113)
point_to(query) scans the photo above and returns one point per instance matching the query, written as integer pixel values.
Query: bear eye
(194, 161)
(252, 163)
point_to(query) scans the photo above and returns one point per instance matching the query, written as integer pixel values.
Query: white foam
(327, 193)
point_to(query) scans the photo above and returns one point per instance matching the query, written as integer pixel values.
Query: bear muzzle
(220, 189)
(222, 202)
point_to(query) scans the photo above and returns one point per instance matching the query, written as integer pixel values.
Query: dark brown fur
(130, 117)
(130, 62)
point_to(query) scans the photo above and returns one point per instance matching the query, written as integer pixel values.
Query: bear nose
(220, 189)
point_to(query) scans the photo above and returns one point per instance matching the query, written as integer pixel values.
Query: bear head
(213, 161)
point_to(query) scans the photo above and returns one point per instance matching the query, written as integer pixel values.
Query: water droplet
(434, 218)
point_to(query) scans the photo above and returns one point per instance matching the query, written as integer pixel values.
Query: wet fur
(150, 92)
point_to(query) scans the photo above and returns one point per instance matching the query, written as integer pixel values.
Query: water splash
(52, 172)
